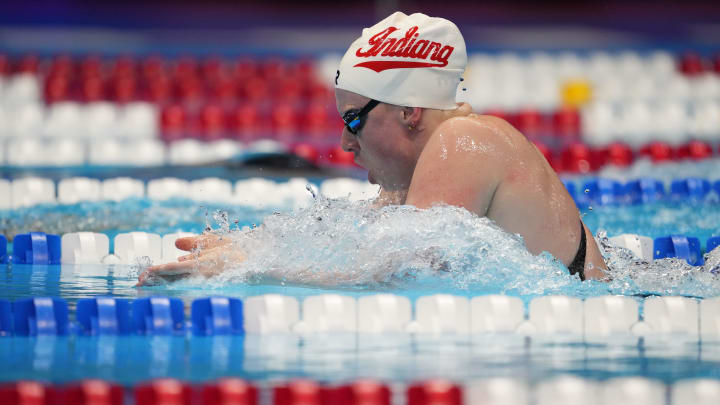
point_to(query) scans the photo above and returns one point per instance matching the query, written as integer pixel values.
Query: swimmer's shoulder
(487, 129)
(463, 139)
(488, 121)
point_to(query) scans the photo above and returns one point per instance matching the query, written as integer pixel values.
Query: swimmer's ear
(410, 117)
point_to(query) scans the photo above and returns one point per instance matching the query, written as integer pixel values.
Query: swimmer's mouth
(357, 161)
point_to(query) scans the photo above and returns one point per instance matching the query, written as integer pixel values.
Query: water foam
(632, 275)
(339, 244)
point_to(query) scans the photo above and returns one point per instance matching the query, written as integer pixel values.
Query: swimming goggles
(354, 119)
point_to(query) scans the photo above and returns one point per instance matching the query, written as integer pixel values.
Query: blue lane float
(681, 247)
(40, 316)
(158, 316)
(712, 243)
(3, 250)
(601, 192)
(691, 188)
(6, 326)
(217, 316)
(645, 190)
(103, 316)
(36, 248)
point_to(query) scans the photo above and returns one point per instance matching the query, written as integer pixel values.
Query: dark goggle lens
(352, 122)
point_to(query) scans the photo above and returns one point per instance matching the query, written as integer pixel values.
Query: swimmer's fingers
(151, 279)
(202, 253)
(170, 269)
(204, 241)
(192, 242)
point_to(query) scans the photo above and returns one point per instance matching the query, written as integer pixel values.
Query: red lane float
(531, 123)
(364, 392)
(229, 391)
(434, 392)
(4, 65)
(566, 122)
(62, 65)
(692, 64)
(213, 122)
(57, 88)
(617, 154)
(166, 391)
(26, 393)
(91, 392)
(173, 122)
(123, 89)
(91, 66)
(299, 392)
(246, 122)
(695, 150)
(658, 152)
(368, 392)
(307, 152)
(124, 66)
(28, 64)
(289, 101)
(285, 121)
(577, 158)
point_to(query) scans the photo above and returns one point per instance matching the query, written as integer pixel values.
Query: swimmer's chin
(371, 178)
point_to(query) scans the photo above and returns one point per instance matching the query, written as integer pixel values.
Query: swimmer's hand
(211, 254)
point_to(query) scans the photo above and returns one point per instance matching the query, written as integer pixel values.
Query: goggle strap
(369, 106)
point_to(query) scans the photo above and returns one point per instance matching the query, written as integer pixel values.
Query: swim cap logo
(405, 47)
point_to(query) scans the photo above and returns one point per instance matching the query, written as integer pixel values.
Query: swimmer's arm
(460, 165)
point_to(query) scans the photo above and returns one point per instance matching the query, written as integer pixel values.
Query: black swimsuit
(578, 263)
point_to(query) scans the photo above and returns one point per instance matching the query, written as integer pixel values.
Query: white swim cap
(412, 61)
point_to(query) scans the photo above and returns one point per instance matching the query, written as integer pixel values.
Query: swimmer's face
(381, 145)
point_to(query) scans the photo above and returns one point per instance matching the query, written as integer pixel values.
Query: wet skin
(424, 157)
(480, 163)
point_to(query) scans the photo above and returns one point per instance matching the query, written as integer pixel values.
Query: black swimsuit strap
(578, 264)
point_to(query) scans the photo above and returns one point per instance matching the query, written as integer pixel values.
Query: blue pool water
(354, 250)
(329, 357)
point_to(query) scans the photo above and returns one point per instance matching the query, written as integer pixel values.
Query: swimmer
(395, 90)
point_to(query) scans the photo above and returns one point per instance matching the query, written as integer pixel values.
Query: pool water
(355, 250)
(329, 357)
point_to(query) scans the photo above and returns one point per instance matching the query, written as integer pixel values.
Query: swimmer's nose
(348, 142)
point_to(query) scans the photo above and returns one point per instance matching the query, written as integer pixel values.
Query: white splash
(340, 244)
